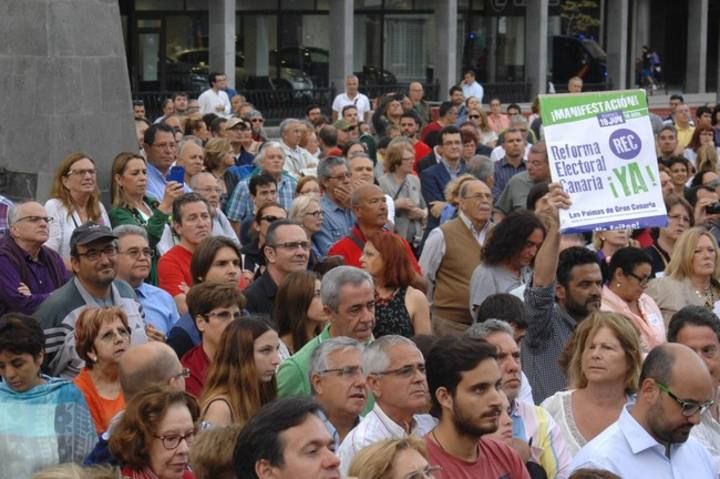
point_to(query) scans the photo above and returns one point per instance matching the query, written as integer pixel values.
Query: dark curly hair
(509, 237)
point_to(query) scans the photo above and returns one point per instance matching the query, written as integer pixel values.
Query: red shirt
(348, 248)
(198, 363)
(334, 151)
(174, 269)
(495, 460)
(421, 151)
(429, 128)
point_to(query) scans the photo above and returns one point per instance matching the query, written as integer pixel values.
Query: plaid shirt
(240, 206)
(549, 328)
(5, 205)
(503, 172)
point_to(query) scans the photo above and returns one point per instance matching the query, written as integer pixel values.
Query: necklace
(707, 296)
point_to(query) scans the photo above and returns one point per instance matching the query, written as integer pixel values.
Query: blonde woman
(691, 276)
(394, 459)
(74, 200)
(452, 191)
(488, 137)
(219, 157)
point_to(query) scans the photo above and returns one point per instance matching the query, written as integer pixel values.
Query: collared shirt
(503, 172)
(331, 427)
(240, 205)
(260, 295)
(337, 222)
(220, 227)
(649, 324)
(707, 433)
(473, 89)
(351, 250)
(548, 448)
(361, 102)
(453, 172)
(436, 246)
(5, 205)
(628, 450)
(375, 427)
(298, 161)
(514, 196)
(156, 183)
(549, 329)
(209, 100)
(159, 307)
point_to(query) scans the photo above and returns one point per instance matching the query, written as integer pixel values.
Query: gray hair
(320, 361)
(195, 178)
(518, 120)
(299, 207)
(488, 327)
(376, 358)
(285, 124)
(481, 167)
(130, 230)
(324, 167)
(188, 139)
(336, 278)
(260, 157)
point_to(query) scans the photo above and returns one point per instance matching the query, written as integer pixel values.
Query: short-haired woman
(219, 158)
(394, 458)
(680, 217)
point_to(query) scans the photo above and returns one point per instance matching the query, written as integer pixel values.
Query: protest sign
(601, 148)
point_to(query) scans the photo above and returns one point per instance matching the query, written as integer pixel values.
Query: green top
(154, 226)
(293, 375)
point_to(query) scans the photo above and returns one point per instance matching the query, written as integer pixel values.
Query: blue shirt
(160, 309)
(337, 222)
(240, 205)
(503, 172)
(156, 183)
(628, 450)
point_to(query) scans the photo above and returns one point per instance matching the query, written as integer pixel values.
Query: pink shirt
(498, 123)
(495, 460)
(650, 324)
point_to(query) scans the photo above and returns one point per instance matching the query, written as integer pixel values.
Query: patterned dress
(391, 315)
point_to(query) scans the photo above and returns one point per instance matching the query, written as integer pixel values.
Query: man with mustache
(395, 371)
(338, 384)
(531, 424)
(652, 437)
(465, 386)
(555, 307)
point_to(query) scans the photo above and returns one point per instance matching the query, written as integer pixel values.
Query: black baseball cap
(89, 232)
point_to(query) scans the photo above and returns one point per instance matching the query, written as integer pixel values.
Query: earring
(619, 285)
(93, 358)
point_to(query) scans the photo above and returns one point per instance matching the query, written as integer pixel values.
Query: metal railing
(508, 92)
(432, 90)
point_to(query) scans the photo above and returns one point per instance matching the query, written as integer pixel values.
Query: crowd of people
(383, 293)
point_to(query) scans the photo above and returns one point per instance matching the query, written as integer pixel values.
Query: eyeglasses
(224, 315)
(109, 337)
(428, 472)
(452, 143)
(172, 441)
(36, 219)
(341, 176)
(689, 408)
(680, 218)
(478, 196)
(89, 171)
(643, 281)
(135, 253)
(292, 245)
(270, 218)
(403, 372)
(185, 373)
(347, 371)
(474, 117)
(163, 146)
(94, 254)
(316, 214)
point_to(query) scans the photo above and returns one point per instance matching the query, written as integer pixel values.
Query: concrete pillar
(342, 24)
(257, 47)
(61, 91)
(536, 38)
(617, 41)
(222, 38)
(642, 25)
(446, 19)
(696, 46)
(717, 82)
(492, 50)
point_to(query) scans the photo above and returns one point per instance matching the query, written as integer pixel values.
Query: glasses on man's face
(642, 280)
(36, 219)
(688, 408)
(135, 253)
(403, 372)
(292, 245)
(172, 441)
(94, 254)
(109, 337)
(164, 146)
(81, 173)
(184, 373)
(341, 176)
(346, 372)
(314, 214)
(427, 472)
(223, 315)
(271, 218)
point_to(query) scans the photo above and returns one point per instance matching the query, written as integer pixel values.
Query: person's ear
(175, 227)
(560, 292)
(75, 264)
(316, 382)
(270, 254)
(200, 323)
(264, 470)
(444, 398)
(373, 383)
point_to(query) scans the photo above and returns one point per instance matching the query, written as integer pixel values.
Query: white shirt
(375, 427)
(63, 226)
(628, 450)
(435, 247)
(298, 161)
(220, 227)
(707, 433)
(498, 152)
(361, 102)
(473, 89)
(209, 100)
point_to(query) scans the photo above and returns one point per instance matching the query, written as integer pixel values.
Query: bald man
(653, 438)
(142, 366)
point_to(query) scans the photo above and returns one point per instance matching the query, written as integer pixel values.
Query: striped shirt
(503, 172)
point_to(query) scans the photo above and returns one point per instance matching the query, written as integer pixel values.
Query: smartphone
(177, 173)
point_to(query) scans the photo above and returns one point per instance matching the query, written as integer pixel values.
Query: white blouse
(63, 225)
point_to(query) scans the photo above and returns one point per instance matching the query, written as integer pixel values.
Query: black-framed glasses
(292, 245)
(270, 218)
(135, 253)
(403, 372)
(315, 214)
(643, 281)
(223, 315)
(172, 441)
(341, 176)
(474, 117)
(689, 408)
(184, 373)
(109, 337)
(427, 472)
(346, 372)
(94, 254)
(36, 219)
